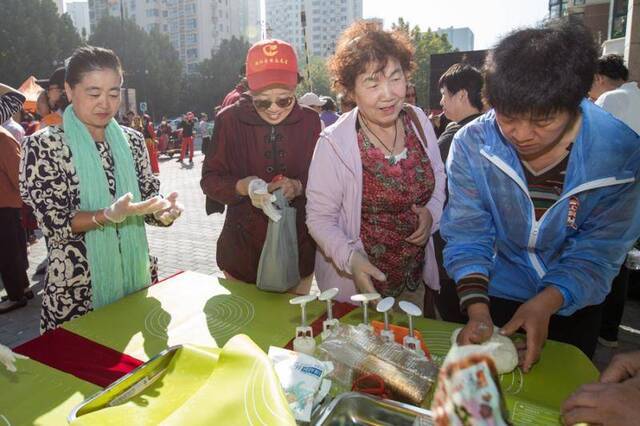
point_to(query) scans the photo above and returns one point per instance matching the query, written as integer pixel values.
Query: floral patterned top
(49, 184)
(388, 192)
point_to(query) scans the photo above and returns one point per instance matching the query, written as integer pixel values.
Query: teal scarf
(118, 254)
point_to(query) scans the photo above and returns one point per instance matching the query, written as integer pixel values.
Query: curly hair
(612, 66)
(362, 44)
(540, 71)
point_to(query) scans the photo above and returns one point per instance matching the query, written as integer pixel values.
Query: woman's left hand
(423, 231)
(170, 214)
(291, 188)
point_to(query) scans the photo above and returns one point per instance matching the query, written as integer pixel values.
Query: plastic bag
(278, 269)
(302, 379)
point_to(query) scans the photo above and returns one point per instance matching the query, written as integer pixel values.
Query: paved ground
(191, 244)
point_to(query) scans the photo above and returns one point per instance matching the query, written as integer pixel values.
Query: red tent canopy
(31, 91)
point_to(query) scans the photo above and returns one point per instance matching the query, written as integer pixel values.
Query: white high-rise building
(60, 6)
(325, 20)
(460, 38)
(79, 13)
(195, 27)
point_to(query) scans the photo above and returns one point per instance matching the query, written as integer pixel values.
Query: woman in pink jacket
(376, 184)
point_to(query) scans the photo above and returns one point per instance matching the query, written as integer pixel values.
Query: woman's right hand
(362, 271)
(479, 329)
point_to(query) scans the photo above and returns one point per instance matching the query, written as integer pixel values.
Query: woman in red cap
(265, 140)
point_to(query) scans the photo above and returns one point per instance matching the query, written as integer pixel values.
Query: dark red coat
(245, 145)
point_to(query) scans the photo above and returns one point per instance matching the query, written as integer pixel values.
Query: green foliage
(320, 82)
(425, 44)
(151, 64)
(215, 77)
(35, 39)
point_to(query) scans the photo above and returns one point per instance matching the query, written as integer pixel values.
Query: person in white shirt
(613, 93)
(15, 129)
(621, 98)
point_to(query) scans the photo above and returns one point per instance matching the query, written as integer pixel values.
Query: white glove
(8, 358)
(262, 199)
(168, 215)
(123, 207)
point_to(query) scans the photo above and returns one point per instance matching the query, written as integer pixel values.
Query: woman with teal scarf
(90, 184)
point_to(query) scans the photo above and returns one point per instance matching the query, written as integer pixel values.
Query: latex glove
(123, 207)
(8, 358)
(291, 188)
(170, 214)
(262, 199)
(479, 328)
(362, 271)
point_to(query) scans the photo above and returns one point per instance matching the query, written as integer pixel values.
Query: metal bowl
(354, 408)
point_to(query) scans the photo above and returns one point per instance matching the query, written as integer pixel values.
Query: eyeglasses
(263, 104)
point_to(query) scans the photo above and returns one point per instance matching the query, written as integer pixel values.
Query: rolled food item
(504, 354)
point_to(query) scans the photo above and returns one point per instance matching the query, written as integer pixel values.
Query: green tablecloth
(193, 308)
(39, 395)
(533, 398)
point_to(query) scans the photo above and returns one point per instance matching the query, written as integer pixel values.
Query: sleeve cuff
(473, 289)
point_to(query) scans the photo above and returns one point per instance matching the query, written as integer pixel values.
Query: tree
(35, 39)
(319, 76)
(215, 77)
(425, 44)
(150, 62)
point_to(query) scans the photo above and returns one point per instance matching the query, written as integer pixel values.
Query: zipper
(536, 224)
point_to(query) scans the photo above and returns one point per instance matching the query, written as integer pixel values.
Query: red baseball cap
(271, 62)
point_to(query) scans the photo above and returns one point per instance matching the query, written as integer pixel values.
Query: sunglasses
(263, 104)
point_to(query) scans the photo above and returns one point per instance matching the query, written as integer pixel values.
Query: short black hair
(329, 105)
(464, 77)
(612, 66)
(90, 58)
(540, 71)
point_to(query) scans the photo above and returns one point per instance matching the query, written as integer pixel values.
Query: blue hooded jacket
(577, 246)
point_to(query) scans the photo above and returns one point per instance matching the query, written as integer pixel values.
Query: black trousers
(446, 300)
(13, 253)
(613, 306)
(580, 329)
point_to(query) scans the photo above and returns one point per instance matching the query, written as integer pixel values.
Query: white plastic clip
(331, 323)
(384, 306)
(304, 341)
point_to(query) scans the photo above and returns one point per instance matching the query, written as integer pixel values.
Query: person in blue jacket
(543, 196)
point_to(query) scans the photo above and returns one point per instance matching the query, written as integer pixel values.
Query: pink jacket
(334, 201)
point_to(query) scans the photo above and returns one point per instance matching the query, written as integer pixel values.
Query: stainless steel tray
(354, 408)
(127, 386)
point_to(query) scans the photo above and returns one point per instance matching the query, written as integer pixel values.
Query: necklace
(392, 159)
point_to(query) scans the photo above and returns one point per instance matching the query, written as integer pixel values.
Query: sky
(488, 19)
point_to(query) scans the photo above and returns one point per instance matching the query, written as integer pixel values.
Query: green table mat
(533, 398)
(196, 309)
(39, 395)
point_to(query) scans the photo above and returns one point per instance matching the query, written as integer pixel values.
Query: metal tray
(354, 408)
(127, 386)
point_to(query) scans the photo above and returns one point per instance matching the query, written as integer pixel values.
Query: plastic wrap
(356, 351)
